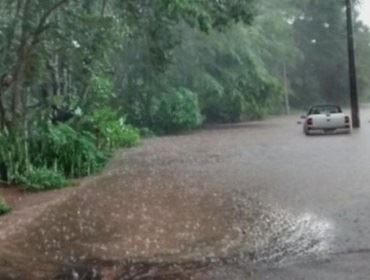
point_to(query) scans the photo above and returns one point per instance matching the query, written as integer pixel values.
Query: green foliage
(53, 151)
(229, 74)
(102, 90)
(225, 70)
(177, 110)
(55, 147)
(321, 73)
(62, 148)
(4, 207)
(42, 179)
(146, 132)
(165, 64)
(112, 132)
(13, 157)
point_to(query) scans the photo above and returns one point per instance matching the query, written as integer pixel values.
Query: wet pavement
(248, 201)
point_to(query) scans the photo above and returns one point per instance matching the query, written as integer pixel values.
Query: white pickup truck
(326, 118)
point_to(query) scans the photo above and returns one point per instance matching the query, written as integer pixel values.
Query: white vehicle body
(326, 118)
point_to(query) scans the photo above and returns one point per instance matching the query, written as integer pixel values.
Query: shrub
(177, 110)
(223, 108)
(42, 158)
(41, 179)
(146, 132)
(12, 157)
(60, 147)
(112, 131)
(4, 207)
(56, 147)
(130, 137)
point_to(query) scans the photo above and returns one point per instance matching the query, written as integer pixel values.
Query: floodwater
(247, 201)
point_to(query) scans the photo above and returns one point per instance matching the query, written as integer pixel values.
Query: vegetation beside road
(4, 207)
(79, 79)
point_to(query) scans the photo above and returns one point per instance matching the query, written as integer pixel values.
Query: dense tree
(320, 34)
(221, 63)
(57, 62)
(74, 70)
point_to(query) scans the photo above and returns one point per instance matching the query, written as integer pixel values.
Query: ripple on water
(268, 235)
(278, 237)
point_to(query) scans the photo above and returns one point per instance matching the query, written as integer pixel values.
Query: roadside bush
(112, 131)
(146, 132)
(43, 158)
(61, 148)
(42, 179)
(4, 207)
(176, 111)
(225, 107)
(13, 157)
(55, 147)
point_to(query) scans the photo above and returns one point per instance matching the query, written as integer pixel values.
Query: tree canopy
(95, 69)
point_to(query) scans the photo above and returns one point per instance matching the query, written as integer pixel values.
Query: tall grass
(49, 153)
(59, 148)
(63, 149)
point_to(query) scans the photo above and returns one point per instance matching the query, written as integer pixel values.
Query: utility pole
(286, 93)
(352, 67)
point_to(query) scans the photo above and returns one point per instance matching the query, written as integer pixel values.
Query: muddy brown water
(196, 206)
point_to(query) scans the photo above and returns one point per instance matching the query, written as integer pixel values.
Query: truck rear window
(325, 110)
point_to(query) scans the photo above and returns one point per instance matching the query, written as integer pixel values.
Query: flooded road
(248, 201)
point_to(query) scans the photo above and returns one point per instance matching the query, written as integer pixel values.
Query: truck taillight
(346, 119)
(309, 121)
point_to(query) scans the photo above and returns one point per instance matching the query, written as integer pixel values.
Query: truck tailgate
(329, 121)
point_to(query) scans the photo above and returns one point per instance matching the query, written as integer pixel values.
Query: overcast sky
(365, 11)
